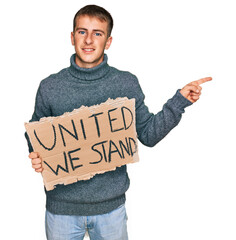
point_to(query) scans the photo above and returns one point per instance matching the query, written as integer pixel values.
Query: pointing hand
(192, 91)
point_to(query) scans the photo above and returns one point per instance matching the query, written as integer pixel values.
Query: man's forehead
(86, 20)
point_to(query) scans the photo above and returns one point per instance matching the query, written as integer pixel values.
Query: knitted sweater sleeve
(151, 128)
(41, 109)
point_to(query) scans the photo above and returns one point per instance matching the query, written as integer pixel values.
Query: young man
(97, 205)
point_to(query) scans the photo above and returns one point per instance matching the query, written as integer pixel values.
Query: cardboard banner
(89, 140)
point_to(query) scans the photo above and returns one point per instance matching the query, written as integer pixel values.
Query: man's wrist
(180, 101)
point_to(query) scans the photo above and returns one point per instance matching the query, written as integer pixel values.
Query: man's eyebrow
(85, 29)
(79, 28)
(98, 30)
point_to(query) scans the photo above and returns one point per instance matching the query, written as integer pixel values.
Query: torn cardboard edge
(115, 120)
(112, 102)
(73, 179)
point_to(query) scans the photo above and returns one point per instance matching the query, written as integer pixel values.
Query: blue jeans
(110, 226)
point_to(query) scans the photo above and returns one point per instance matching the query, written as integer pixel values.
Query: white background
(184, 187)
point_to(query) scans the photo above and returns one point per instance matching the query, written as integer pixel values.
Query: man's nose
(89, 38)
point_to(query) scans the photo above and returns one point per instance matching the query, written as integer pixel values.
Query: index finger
(33, 155)
(203, 80)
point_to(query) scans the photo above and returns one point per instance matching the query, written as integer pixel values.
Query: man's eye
(98, 34)
(82, 32)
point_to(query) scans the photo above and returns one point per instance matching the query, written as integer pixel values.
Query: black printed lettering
(123, 115)
(75, 135)
(96, 122)
(122, 146)
(59, 166)
(54, 141)
(82, 127)
(113, 119)
(101, 154)
(113, 151)
(135, 146)
(72, 159)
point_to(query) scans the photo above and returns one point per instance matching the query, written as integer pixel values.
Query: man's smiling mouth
(88, 49)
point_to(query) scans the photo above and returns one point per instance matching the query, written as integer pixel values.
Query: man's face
(90, 40)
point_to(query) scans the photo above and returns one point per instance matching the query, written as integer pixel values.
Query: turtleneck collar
(89, 74)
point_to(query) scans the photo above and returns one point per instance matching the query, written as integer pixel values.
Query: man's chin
(88, 61)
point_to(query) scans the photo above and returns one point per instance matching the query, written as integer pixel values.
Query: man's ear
(108, 43)
(72, 38)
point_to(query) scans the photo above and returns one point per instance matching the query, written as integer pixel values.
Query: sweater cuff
(180, 101)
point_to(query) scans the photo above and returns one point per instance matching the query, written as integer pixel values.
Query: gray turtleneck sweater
(73, 87)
